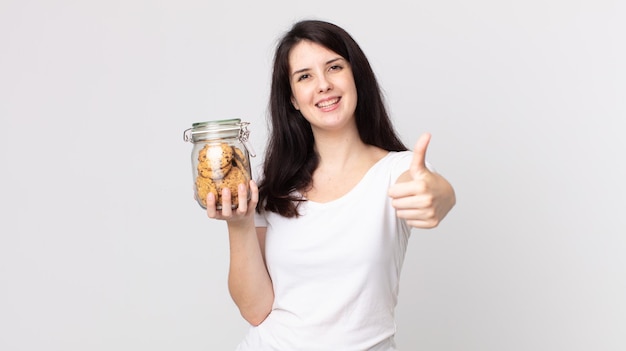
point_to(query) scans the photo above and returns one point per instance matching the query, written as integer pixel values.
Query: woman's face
(323, 86)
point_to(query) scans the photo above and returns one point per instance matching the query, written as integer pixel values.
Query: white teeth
(327, 103)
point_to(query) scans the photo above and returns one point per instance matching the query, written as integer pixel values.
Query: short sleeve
(400, 165)
(259, 219)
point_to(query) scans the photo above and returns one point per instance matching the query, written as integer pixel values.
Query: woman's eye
(335, 68)
(303, 77)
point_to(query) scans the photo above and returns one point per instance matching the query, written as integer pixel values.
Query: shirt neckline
(354, 188)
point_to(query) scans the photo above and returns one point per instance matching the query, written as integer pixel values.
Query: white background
(102, 246)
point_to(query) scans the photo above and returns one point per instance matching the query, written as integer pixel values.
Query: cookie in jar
(220, 158)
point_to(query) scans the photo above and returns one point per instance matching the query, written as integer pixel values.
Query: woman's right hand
(244, 212)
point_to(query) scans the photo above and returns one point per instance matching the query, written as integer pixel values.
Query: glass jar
(220, 159)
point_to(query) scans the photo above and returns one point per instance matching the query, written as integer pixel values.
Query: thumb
(418, 165)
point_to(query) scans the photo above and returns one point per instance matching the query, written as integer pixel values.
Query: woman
(317, 265)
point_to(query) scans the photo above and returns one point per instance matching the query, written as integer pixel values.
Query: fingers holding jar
(229, 210)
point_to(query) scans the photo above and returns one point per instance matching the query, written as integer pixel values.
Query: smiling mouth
(327, 103)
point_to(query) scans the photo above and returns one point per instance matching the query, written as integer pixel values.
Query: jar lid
(217, 129)
(224, 128)
(217, 124)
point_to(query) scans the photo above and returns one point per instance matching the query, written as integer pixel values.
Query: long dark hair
(290, 157)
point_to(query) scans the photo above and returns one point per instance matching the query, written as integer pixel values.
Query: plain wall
(102, 246)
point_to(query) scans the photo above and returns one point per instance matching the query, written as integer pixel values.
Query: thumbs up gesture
(422, 197)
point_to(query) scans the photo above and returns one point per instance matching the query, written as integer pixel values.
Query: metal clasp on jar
(188, 135)
(244, 135)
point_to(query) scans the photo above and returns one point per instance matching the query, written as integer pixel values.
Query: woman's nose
(324, 85)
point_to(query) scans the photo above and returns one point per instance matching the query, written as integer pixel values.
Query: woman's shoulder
(402, 160)
(380, 155)
(394, 163)
(399, 158)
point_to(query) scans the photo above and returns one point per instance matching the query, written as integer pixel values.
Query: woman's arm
(249, 282)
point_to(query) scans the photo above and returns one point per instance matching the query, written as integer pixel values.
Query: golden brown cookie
(205, 186)
(215, 160)
(232, 180)
(204, 170)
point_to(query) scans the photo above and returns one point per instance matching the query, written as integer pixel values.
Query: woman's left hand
(421, 197)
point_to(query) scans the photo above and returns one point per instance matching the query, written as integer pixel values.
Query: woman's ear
(294, 103)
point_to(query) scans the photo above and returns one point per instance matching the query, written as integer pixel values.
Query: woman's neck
(336, 150)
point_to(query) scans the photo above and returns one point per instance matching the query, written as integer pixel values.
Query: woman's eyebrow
(300, 71)
(334, 60)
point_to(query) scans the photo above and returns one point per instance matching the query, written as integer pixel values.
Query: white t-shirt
(335, 269)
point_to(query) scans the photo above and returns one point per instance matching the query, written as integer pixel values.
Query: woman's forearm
(249, 282)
